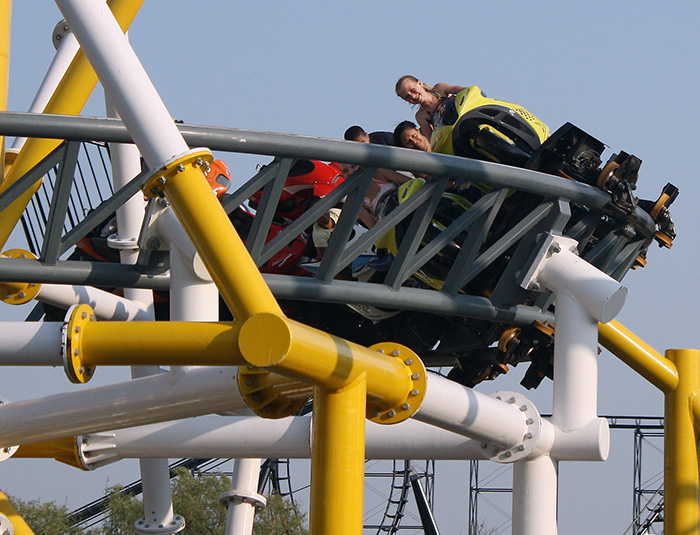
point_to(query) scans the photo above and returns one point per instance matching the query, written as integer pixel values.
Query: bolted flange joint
(533, 421)
(18, 293)
(237, 496)
(418, 377)
(157, 527)
(153, 187)
(77, 318)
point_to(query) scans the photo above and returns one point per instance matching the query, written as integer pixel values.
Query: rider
(431, 99)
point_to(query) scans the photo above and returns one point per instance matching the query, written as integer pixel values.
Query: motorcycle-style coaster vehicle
(474, 126)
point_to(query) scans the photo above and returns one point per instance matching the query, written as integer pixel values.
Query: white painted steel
(600, 295)
(106, 305)
(239, 437)
(575, 383)
(462, 410)
(244, 483)
(126, 81)
(65, 53)
(30, 344)
(535, 497)
(588, 443)
(137, 402)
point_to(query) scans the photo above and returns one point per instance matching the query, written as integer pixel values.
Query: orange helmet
(219, 177)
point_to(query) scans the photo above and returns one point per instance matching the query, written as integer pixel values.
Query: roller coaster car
(307, 180)
(475, 126)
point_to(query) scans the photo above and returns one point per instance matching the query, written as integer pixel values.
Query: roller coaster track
(499, 255)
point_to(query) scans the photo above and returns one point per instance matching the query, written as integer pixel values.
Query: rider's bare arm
(447, 89)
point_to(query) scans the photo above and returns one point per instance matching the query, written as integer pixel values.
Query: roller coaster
(529, 273)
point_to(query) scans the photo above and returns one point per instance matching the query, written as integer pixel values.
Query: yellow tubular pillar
(69, 98)
(681, 482)
(395, 381)
(5, 17)
(235, 274)
(145, 343)
(8, 510)
(337, 460)
(638, 355)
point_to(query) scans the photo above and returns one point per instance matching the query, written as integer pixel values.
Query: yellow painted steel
(18, 293)
(337, 460)
(88, 343)
(681, 481)
(271, 395)
(5, 17)
(6, 508)
(64, 450)
(235, 274)
(296, 350)
(69, 98)
(638, 355)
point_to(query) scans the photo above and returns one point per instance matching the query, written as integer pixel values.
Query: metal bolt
(408, 362)
(83, 315)
(22, 295)
(527, 436)
(76, 352)
(529, 421)
(198, 161)
(249, 382)
(521, 448)
(81, 369)
(511, 400)
(405, 406)
(535, 285)
(391, 414)
(395, 353)
(180, 168)
(380, 351)
(77, 329)
(509, 454)
(523, 408)
(555, 248)
(415, 392)
(375, 414)
(256, 397)
(6, 449)
(415, 376)
(484, 445)
(161, 180)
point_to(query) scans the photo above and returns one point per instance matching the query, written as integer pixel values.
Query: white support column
(535, 496)
(243, 498)
(126, 81)
(66, 48)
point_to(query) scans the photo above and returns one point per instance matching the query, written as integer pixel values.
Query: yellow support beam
(638, 355)
(206, 223)
(64, 450)
(396, 380)
(88, 343)
(681, 481)
(69, 98)
(337, 459)
(18, 523)
(5, 18)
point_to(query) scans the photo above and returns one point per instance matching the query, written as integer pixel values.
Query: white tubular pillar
(239, 437)
(155, 474)
(583, 295)
(136, 402)
(66, 50)
(107, 306)
(535, 496)
(496, 420)
(243, 498)
(125, 79)
(31, 344)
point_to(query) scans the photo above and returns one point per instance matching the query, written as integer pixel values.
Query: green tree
(195, 497)
(46, 518)
(280, 517)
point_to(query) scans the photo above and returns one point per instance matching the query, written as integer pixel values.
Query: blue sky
(624, 71)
